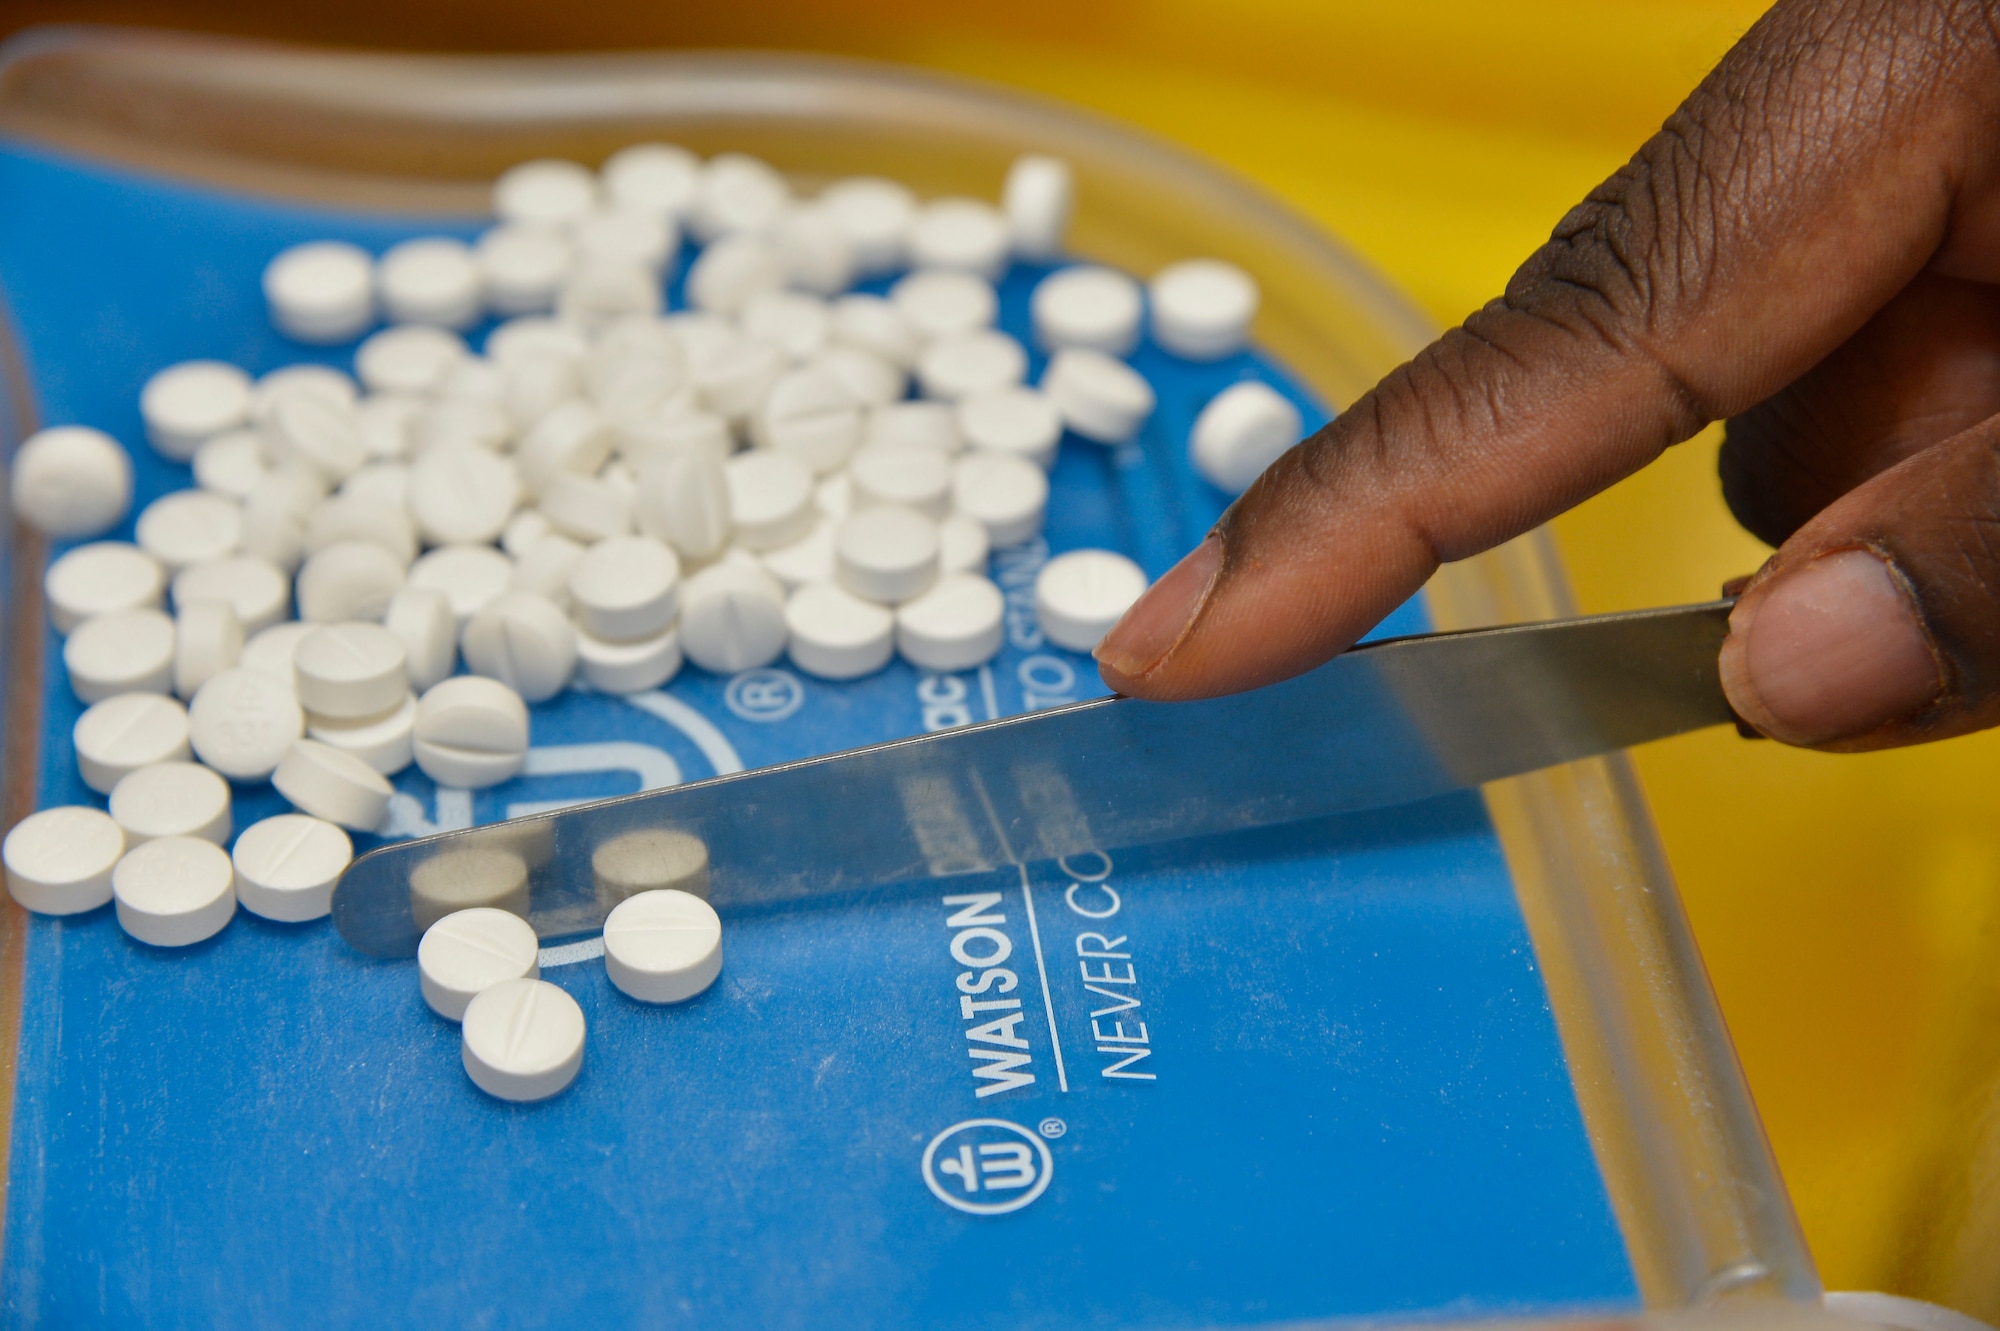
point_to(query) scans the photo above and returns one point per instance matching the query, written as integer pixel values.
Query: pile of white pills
(602, 493)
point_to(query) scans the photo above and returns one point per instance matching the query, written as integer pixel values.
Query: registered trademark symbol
(1052, 1128)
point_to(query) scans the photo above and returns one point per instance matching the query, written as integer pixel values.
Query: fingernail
(1828, 651)
(1156, 620)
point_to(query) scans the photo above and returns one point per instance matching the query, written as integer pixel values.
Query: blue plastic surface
(1348, 1098)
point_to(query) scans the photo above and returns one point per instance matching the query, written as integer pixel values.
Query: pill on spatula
(523, 1040)
(286, 866)
(470, 951)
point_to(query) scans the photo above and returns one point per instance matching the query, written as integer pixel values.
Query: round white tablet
(71, 481)
(573, 437)
(544, 568)
(658, 178)
(545, 192)
(808, 559)
(938, 303)
(673, 430)
(522, 268)
(317, 434)
(730, 272)
(1018, 421)
(956, 625)
(334, 387)
(965, 234)
(321, 292)
(331, 784)
(126, 732)
(649, 860)
(886, 554)
(1244, 429)
(462, 494)
(979, 362)
(349, 670)
(186, 403)
(809, 415)
(473, 876)
(422, 621)
(382, 481)
(1080, 595)
(523, 1040)
(230, 463)
(189, 526)
(99, 578)
(737, 193)
(348, 580)
(963, 545)
(408, 358)
(242, 721)
(625, 588)
(732, 618)
(874, 325)
(386, 742)
(174, 891)
(628, 667)
(683, 500)
(1008, 495)
(524, 641)
(876, 216)
(469, 575)
(208, 638)
(59, 861)
(271, 650)
(276, 511)
(663, 946)
(796, 321)
(125, 651)
(469, 951)
(814, 250)
(286, 866)
(914, 425)
(171, 799)
(770, 498)
(254, 588)
(1037, 199)
(732, 380)
(523, 530)
(363, 517)
(535, 336)
(1100, 398)
(472, 732)
(1203, 308)
(918, 478)
(1087, 306)
(836, 635)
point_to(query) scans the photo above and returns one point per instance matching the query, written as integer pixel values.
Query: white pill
(125, 732)
(186, 403)
(1244, 429)
(189, 526)
(1020, 422)
(320, 435)
(836, 635)
(363, 517)
(968, 363)
(522, 531)
(271, 650)
(171, 799)
(524, 641)
(1087, 306)
(673, 430)
(657, 178)
(956, 625)
(409, 358)
(523, 1040)
(726, 275)
(628, 237)
(802, 324)
(962, 234)
(770, 498)
(472, 732)
(917, 478)
(662, 946)
(628, 667)
(462, 495)
(59, 861)
(733, 380)
(71, 481)
(625, 588)
(875, 325)
(886, 554)
(868, 378)
(732, 618)
(814, 250)
(963, 545)
(808, 559)
(811, 416)
(346, 671)
(422, 621)
(683, 499)
(469, 575)
(522, 268)
(1080, 595)
(321, 292)
(737, 193)
(382, 482)
(481, 875)
(876, 215)
(649, 860)
(938, 303)
(919, 424)
(572, 437)
(469, 951)
(1009, 496)
(1038, 198)
(242, 721)
(334, 387)
(208, 639)
(99, 578)
(276, 512)
(230, 463)
(328, 783)
(1203, 308)
(286, 867)
(587, 508)
(544, 568)
(600, 292)
(174, 891)
(124, 651)
(348, 580)
(546, 192)
(385, 742)
(1100, 398)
